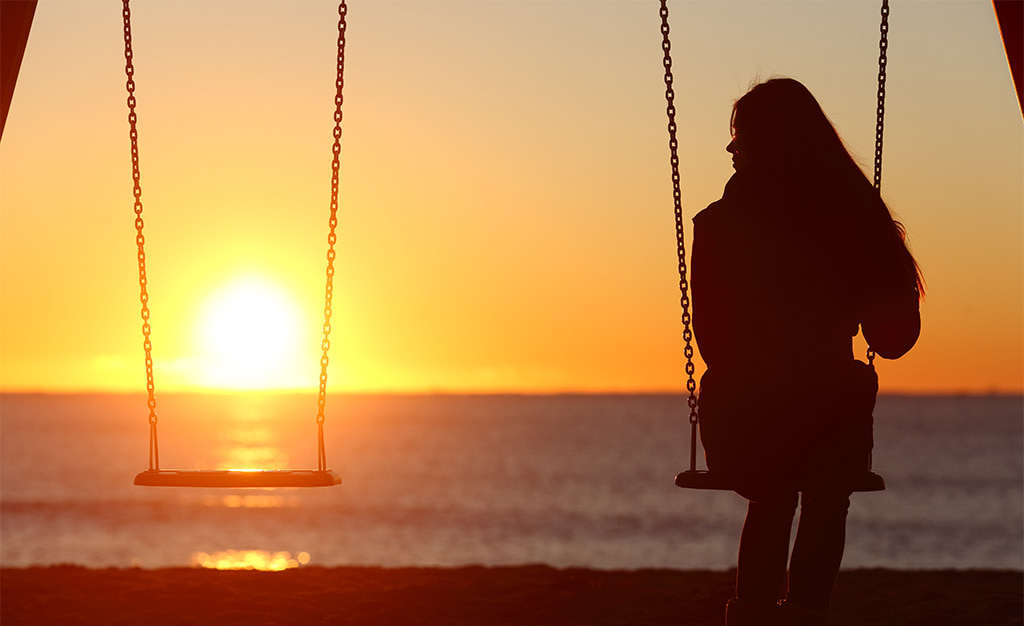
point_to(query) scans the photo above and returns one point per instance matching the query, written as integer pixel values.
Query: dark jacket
(783, 274)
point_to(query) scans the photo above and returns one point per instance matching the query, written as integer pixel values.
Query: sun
(250, 335)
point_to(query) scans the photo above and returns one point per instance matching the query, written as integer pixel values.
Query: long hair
(783, 131)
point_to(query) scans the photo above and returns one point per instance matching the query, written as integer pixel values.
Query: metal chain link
(684, 286)
(883, 47)
(332, 237)
(140, 239)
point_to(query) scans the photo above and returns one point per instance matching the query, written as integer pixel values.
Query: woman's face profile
(739, 159)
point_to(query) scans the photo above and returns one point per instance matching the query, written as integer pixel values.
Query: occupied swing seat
(704, 479)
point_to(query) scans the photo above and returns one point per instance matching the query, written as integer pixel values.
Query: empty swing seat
(238, 478)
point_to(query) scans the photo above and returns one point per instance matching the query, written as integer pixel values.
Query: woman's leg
(818, 549)
(764, 546)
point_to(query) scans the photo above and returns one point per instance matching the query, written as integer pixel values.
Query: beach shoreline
(478, 595)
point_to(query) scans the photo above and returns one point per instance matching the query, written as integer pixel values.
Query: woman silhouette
(799, 253)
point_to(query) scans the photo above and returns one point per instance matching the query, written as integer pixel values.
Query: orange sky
(506, 220)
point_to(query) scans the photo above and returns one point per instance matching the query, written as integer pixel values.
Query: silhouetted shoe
(797, 615)
(738, 613)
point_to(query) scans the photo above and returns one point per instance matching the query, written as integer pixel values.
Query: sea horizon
(444, 480)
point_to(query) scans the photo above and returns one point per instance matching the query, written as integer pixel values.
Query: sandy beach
(533, 595)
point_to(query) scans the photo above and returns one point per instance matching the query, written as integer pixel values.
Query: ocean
(447, 480)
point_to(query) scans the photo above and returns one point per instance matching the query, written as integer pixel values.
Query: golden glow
(494, 234)
(249, 560)
(250, 334)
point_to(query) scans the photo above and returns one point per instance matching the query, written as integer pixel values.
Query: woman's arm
(712, 286)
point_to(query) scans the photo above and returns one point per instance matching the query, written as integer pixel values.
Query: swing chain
(883, 47)
(684, 287)
(140, 239)
(332, 236)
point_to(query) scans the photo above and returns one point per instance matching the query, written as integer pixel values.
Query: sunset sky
(506, 217)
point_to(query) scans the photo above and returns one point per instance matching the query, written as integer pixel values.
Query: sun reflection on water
(249, 456)
(250, 441)
(247, 431)
(252, 501)
(260, 560)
